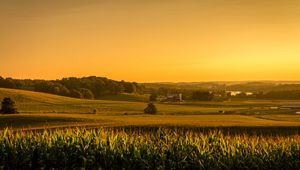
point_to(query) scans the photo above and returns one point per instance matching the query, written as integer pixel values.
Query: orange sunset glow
(151, 40)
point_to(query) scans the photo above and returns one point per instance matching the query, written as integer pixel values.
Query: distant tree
(163, 91)
(129, 87)
(9, 83)
(140, 88)
(150, 109)
(86, 93)
(98, 86)
(76, 94)
(202, 96)
(2, 81)
(52, 87)
(153, 97)
(8, 106)
(282, 95)
(62, 90)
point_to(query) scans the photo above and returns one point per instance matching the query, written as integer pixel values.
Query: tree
(129, 87)
(8, 106)
(76, 94)
(153, 97)
(86, 93)
(150, 109)
(96, 86)
(202, 96)
(2, 81)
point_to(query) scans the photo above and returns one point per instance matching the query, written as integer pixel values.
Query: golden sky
(151, 40)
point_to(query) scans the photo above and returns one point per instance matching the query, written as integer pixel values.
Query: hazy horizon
(162, 82)
(151, 40)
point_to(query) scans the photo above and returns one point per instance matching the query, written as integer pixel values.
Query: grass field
(40, 110)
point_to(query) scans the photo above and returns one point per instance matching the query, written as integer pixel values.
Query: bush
(8, 106)
(150, 109)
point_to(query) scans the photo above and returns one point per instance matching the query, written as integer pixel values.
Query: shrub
(150, 109)
(8, 106)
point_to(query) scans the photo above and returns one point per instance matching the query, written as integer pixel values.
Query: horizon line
(161, 82)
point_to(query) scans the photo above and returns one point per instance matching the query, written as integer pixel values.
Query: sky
(151, 40)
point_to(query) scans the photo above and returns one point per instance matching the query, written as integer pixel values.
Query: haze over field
(151, 40)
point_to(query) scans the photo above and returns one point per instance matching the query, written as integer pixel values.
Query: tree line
(271, 95)
(95, 87)
(86, 87)
(188, 94)
(222, 95)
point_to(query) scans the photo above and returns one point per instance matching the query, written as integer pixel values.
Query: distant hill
(86, 87)
(37, 102)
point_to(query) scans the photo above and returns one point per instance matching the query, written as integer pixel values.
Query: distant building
(236, 93)
(173, 98)
(290, 106)
(249, 93)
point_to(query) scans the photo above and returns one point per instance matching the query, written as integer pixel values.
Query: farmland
(59, 132)
(144, 149)
(41, 110)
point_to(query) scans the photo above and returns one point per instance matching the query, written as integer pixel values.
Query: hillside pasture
(41, 110)
(34, 102)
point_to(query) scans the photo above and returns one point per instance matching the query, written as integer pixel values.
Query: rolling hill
(36, 102)
(41, 110)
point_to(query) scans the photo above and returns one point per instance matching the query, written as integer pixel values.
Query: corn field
(138, 149)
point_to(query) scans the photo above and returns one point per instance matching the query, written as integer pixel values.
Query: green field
(40, 110)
